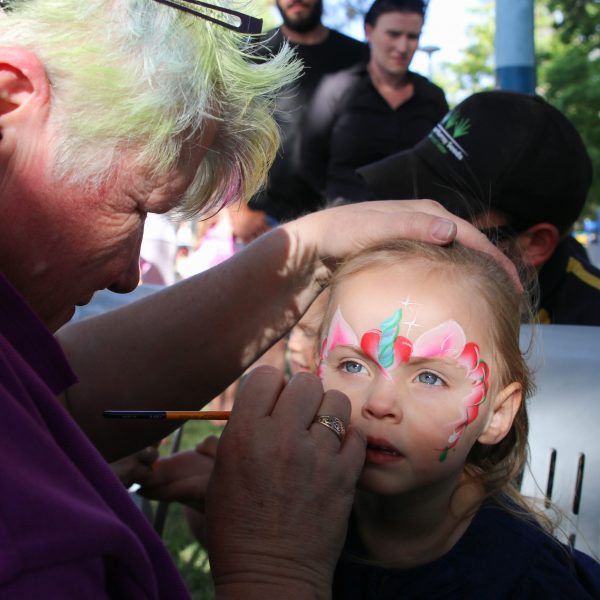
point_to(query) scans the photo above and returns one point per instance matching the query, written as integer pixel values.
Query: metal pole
(515, 49)
(429, 50)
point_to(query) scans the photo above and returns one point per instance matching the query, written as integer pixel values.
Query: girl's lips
(380, 451)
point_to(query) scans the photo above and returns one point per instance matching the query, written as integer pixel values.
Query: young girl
(425, 342)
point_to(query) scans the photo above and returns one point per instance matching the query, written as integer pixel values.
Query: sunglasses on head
(247, 24)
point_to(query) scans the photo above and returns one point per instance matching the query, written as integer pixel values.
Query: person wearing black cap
(516, 167)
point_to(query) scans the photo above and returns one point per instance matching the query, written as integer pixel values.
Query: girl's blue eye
(429, 378)
(351, 366)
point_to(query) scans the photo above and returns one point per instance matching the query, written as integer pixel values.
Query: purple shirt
(67, 526)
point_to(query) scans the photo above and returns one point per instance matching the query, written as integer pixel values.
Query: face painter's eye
(351, 366)
(429, 378)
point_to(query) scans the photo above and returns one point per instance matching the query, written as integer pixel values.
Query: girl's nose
(383, 402)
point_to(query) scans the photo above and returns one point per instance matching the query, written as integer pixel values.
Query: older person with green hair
(110, 110)
(143, 76)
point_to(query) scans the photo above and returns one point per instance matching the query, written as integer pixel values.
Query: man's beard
(304, 24)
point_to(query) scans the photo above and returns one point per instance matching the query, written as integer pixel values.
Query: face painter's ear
(24, 96)
(505, 407)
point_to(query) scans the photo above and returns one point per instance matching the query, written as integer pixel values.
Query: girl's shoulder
(502, 555)
(531, 562)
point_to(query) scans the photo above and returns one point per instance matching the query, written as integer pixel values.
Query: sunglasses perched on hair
(501, 233)
(247, 24)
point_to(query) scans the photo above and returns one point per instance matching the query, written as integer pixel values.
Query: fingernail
(443, 230)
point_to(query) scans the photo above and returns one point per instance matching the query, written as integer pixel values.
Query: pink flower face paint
(339, 334)
(479, 375)
(448, 340)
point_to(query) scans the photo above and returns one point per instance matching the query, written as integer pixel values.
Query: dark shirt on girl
(499, 557)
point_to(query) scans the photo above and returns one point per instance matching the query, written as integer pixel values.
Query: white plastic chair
(564, 434)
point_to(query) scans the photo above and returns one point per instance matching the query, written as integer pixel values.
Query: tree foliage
(475, 72)
(577, 20)
(568, 66)
(569, 73)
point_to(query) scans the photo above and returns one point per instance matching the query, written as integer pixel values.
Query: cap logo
(445, 134)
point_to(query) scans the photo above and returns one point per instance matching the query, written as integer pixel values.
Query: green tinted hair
(141, 77)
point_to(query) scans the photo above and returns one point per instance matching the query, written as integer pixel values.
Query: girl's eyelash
(343, 363)
(360, 367)
(430, 372)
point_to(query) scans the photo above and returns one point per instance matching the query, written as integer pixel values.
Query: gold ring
(336, 425)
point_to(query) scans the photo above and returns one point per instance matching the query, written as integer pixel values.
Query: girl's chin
(381, 484)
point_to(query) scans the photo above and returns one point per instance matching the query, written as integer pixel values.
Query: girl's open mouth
(381, 451)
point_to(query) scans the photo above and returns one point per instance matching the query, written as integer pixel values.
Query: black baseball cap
(503, 150)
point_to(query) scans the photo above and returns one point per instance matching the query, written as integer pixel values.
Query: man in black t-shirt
(323, 51)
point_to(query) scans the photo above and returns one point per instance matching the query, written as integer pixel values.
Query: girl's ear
(500, 420)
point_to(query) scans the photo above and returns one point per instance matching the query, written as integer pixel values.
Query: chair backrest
(564, 434)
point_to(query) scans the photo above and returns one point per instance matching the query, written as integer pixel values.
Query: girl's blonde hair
(139, 76)
(495, 467)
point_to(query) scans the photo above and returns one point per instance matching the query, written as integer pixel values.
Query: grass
(189, 556)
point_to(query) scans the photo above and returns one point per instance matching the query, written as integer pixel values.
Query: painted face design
(388, 349)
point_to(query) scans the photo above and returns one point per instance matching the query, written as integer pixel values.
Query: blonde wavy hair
(139, 76)
(495, 467)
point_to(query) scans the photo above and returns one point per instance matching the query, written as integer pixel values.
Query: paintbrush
(177, 415)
